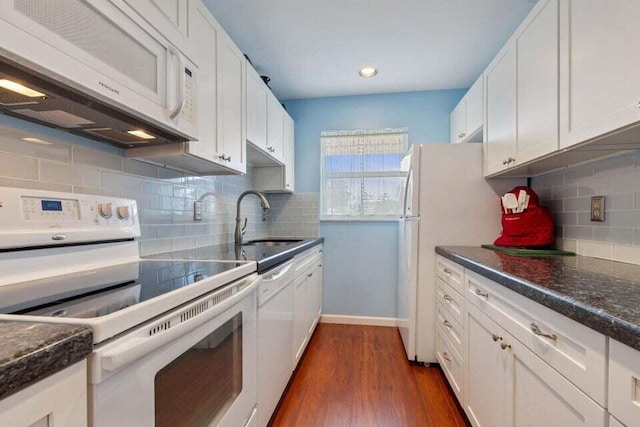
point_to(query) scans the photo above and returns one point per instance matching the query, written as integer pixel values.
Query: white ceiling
(314, 48)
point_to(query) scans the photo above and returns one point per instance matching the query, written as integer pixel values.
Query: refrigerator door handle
(406, 191)
(410, 217)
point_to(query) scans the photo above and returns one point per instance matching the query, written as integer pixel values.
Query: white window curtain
(361, 176)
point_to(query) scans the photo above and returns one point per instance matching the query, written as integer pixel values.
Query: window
(361, 175)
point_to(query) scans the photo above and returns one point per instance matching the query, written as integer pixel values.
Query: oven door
(195, 366)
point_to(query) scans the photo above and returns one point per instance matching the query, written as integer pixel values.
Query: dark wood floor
(358, 376)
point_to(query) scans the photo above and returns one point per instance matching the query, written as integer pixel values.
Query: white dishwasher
(275, 337)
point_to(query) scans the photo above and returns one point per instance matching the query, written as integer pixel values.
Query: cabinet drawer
(577, 352)
(450, 363)
(308, 258)
(624, 383)
(451, 300)
(451, 273)
(451, 328)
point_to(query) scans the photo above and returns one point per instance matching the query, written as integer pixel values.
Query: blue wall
(361, 257)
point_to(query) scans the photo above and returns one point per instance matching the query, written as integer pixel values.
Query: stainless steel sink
(271, 242)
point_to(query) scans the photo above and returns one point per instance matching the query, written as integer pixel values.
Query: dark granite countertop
(603, 295)
(264, 256)
(32, 351)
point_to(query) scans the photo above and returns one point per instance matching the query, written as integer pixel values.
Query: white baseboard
(359, 320)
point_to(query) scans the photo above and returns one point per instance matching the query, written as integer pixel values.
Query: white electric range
(174, 341)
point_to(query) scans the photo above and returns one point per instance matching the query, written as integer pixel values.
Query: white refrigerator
(446, 202)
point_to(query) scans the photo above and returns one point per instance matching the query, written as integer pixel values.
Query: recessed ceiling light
(37, 141)
(368, 72)
(141, 134)
(22, 90)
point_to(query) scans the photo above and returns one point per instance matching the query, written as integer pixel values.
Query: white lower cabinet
(511, 373)
(485, 368)
(59, 400)
(624, 383)
(290, 304)
(508, 385)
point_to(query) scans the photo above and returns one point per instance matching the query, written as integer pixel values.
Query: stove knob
(105, 210)
(123, 212)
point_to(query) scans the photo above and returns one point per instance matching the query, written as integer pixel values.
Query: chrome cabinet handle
(504, 162)
(496, 337)
(482, 293)
(536, 330)
(446, 270)
(447, 298)
(447, 324)
(446, 357)
(504, 345)
(310, 274)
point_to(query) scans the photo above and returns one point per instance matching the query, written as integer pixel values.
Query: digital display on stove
(51, 205)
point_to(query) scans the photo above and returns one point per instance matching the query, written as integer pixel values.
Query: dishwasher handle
(279, 273)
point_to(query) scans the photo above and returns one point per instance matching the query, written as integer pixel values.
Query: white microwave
(95, 68)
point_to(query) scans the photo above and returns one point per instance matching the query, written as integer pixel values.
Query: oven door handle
(141, 344)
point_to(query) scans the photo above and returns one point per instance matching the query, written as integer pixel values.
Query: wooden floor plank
(358, 376)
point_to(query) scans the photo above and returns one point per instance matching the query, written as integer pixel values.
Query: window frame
(379, 174)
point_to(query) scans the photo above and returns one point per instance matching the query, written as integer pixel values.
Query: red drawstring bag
(532, 228)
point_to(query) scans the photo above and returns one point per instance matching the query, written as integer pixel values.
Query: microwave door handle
(180, 82)
(138, 346)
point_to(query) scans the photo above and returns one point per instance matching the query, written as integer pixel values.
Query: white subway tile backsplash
(21, 167)
(64, 173)
(164, 197)
(618, 179)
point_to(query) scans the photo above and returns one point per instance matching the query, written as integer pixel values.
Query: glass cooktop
(101, 291)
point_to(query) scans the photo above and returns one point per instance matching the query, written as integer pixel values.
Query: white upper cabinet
(466, 119)
(169, 17)
(600, 68)
(500, 128)
(289, 153)
(275, 134)
(537, 85)
(257, 93)
(231, 104)
(475, 110)
(458, 122)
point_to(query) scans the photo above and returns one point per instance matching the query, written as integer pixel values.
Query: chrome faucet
(241, 230)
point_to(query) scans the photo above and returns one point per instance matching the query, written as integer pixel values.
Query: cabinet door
(537, 93)
(475, 108)
(275, 135)
(457, 122)
(485, 371)
(500, 129)
(601, 73)
(256, 109)
(300, 317)
(231, 104)
(204, 36)
(289, 153)
(168, 17)
(540, 396)
(624, 383)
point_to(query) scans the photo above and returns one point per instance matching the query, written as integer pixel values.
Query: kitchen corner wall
(165, 198)
(568, 195)
(360, 258)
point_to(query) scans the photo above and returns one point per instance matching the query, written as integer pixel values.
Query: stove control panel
(44, 218)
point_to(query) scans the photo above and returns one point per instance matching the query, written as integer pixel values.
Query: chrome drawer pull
(447, 324)
(446, 357)
(446, 270)
(504, 345)
(447, 298)
(482, 293)
(496, 337)
(536, 330)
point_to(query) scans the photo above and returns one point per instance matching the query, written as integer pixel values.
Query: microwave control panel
(190, 89)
